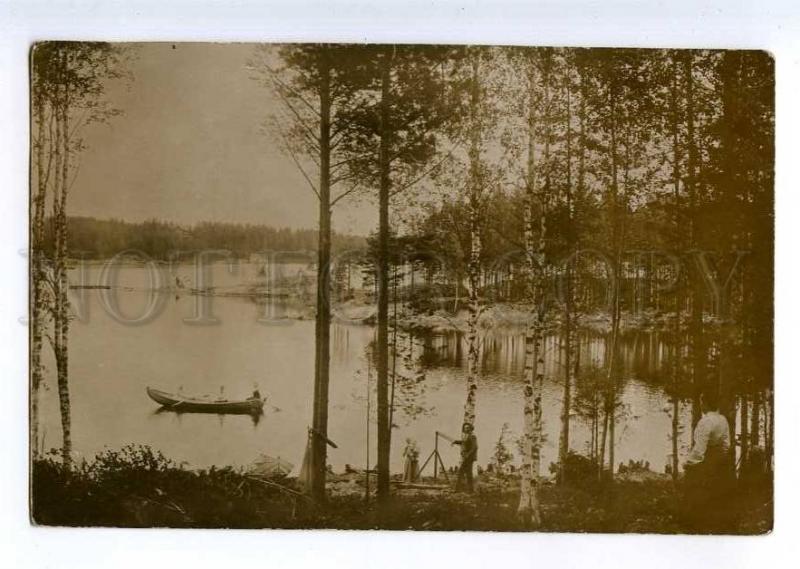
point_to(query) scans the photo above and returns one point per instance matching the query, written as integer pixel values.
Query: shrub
(139, 487)
(579, 470)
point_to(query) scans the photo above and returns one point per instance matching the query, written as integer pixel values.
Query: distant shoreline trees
(98, 239)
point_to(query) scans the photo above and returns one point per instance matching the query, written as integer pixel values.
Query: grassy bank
(136, 487)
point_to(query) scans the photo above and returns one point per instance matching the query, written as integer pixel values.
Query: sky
(190, 147)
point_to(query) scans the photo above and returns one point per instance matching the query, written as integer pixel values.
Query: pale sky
(190, 147)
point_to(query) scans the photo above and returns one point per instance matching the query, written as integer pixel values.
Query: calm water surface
(112, 363)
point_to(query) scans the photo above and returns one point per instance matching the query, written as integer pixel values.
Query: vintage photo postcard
(429, 287)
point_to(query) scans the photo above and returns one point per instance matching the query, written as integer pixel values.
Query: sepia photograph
(401, 287)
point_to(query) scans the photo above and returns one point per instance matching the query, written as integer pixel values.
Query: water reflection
(254, 417)
(643, 355)
(111, 365)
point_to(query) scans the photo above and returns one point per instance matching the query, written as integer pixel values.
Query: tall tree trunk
(323, 320)
(38, 274)
(611, 409)
(676, 326)
(384, 435)
(615, 288)
(744, 437)
(474, 263)
(569, 334)
(733, 182)
(540, 302)
(698, 348)
(61, 313)
(675, 429)
(755, 421)
(566, 399)
(529, 509)
(770, 430)
(603, 436)
(395, 279)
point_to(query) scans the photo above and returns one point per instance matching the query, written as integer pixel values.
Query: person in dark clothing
(709, 479)
(469, 454)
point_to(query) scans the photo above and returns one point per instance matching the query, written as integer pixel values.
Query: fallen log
(414, 486)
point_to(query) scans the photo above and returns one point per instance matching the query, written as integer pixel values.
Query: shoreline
(137, 487)
(497, 316)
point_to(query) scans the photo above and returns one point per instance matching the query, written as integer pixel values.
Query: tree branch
(345, 194)
(300, 167)
(281, 85)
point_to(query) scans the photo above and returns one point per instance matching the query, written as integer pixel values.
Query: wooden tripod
(437, 458)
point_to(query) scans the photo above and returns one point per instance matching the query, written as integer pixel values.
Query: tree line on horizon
(92, 238)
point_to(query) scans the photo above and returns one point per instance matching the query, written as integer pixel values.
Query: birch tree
(537, 66)
(569, 337)
(69, 82)
(43, 153)
(474, 200)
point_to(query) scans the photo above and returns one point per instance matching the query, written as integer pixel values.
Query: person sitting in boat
(256, 392)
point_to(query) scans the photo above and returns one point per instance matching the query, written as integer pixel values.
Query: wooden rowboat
(181, 404)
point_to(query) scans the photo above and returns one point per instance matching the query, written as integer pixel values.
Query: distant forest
(92, 238)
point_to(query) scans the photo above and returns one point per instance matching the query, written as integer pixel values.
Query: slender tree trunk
(676, 181)
(394, 352)
(61, 287)
(755, 421)
(566, 399)
(322, 372)
(540, 304)
(675, 430)
(474, 264)
(615, 288)
(765, 423)
(770, 434)
(732, 177)
(744, 437)
(698, 348)
(37, 274)
(603, 436)
(63, 379)
(595, 426)
(384, 435)
(529, 509)
(568, 332)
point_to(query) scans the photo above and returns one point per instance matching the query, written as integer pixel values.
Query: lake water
(111, 364)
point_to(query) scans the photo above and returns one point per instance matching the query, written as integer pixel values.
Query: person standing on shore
(411, 467)
(708, 470)
(469, 454)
